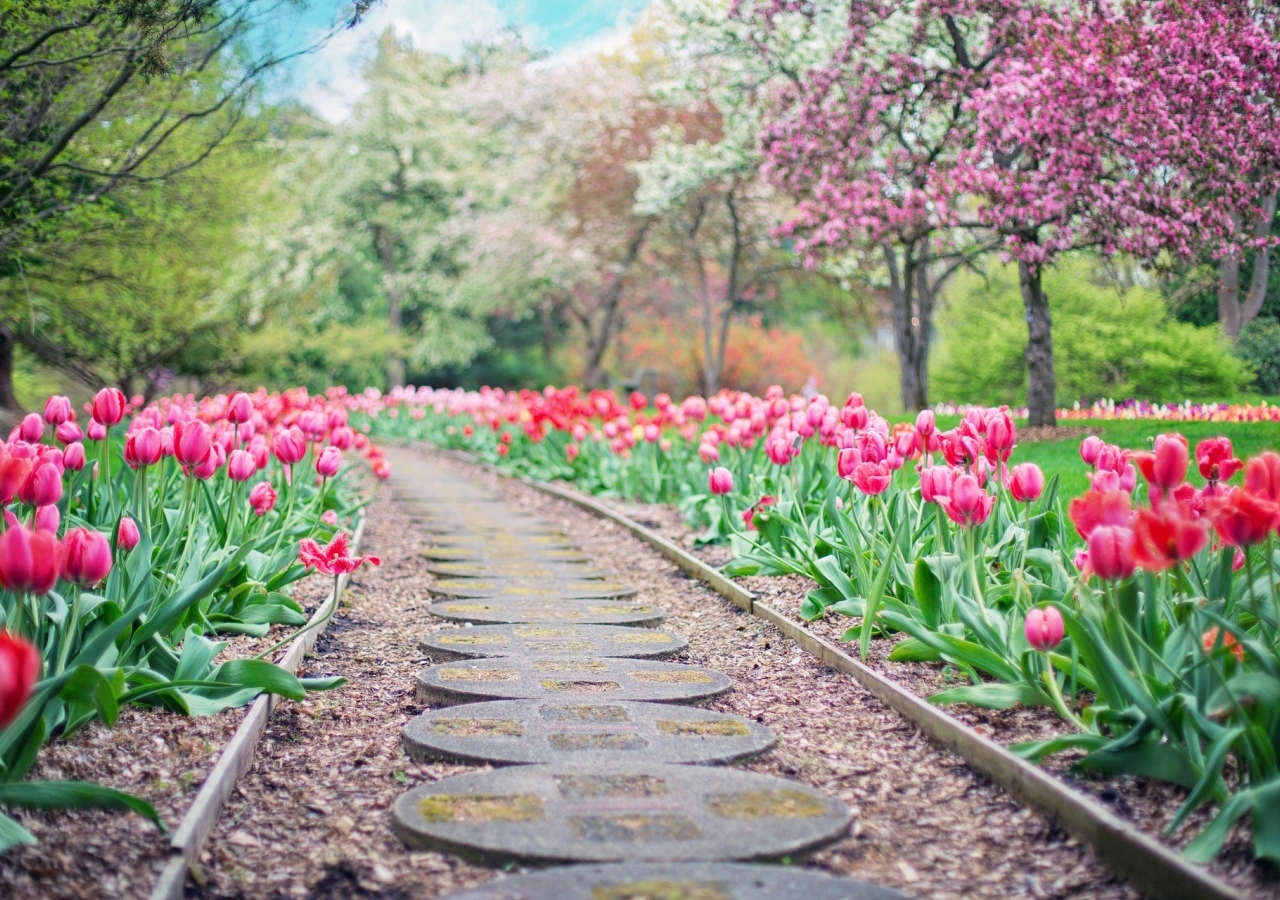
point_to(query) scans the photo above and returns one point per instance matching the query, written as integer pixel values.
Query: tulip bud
(289, 446)
(343, 437)
(211, 463)
(239, 408)
(32, 428)
(1111, 552)
(262, 498)
(86, 557)
(240, 465)
(926, 423)
(571, 451)
(19, 669)
(68, 433)
(143, 447)
(43, 487)
(57, 410)
(108, 406)
(73, 457)
(1026, 482)
(720, 481)
(1089, 449)
(328, 462)
(846, 461)
(127, 535)
(1044, 628)
(191, 442)
(935, 483)
(96, 430)
(329, 517)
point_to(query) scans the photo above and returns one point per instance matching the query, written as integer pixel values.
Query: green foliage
(1259, 346)
(1107, 342)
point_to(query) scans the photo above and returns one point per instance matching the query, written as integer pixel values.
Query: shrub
(1259, 346)
(1107, 342)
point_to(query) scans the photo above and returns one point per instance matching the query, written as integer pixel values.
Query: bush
(1259, 346)
(1107, 343)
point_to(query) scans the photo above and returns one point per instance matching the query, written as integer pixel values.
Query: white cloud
(329, 80)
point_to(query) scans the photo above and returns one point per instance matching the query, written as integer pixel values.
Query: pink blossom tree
(1141, 127)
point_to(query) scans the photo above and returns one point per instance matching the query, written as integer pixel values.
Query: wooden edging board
(189, 839)
(1154, 869)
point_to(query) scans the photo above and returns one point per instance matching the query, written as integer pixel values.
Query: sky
(329, 80)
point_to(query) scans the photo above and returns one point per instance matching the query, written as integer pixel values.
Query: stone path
(597, 784)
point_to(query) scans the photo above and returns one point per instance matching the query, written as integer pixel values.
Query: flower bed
(1141, 614)
(130, 544)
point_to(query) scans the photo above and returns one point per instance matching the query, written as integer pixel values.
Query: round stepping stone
(529, 731)
(490, 641)
(534, 541)
(564, 677)
(678, 881)
(521, 589)
(481, 553)
(570, 612)
(617, 812)
(494, 569)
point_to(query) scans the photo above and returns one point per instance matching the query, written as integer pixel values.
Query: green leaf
(1266, 821)
(1210, 782)
(89, 687)
(928, 590)
(912, 650)
(876, 594)
(1150, 758)
(75, 795)
(827, 571)
(13, 835)
(1038, 750)
(261, 674)
(992, 696)
(1208, 842)
(173, 609)
(322, 684)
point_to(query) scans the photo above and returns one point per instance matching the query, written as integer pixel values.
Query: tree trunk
(8, 400)
(598, 338)
(395, 362)
(1232, 314)
(911, 325)
(1041, 383)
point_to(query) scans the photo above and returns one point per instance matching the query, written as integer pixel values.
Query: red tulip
(638, 400)
(191, 442)
(32, 428)
(1044, 628)
(1166, 468)
(86, 557)
(1095, 508)
(1163, 538)
(108, 406)
(334, 559)
(13, 472)
(1111, 552)
(240, 465)
(68, 433)
(329, 462)
(571, 451)
(28, 561)
(262, 498)
(967, 504)
(1026, 482)
(43, 486)
(1262, 476)
(19, 669)
(239, 408)
(871, 478)
(143, 447)
(1242, 519)
(73, 457)
(1216, 460)
(127, 535)
(720, 481)
(289, 446)
(1229, 643)
(57, 410)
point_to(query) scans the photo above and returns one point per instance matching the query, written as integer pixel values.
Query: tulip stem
(1055, 695)
(104, 456)
(288, 508)
(337, 598)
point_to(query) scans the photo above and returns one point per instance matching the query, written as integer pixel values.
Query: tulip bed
(130, 544)
(1143, 612)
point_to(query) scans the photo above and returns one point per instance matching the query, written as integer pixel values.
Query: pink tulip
(28, 561)
(343, 437)
(48, 518)
(239, 408)
(213, 460)
(329, 462)
(871, 478)
(13, 473)
(86, 557)
(708, 453)
(720, 481)
(289, 446)
(96, 430)
(57, 410)
(143, 447)
(1044, 628)
(935, 483)
(127, 536)
(240, 465)
(846, 461)
(968, 504)
(43, 487)
(108, 406)
(1090, 447)
(1111, 552)
(1026, 482)
(191, 442)
(329, 517)
(73, 457)
(68, 433)
(262, 498)
(32, 428)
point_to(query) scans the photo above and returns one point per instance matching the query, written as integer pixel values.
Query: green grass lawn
(1062, 458)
